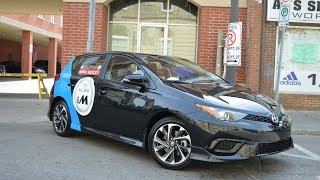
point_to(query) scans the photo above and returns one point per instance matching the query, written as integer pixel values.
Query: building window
(120, 43)
(52, 19)
(169, 46)
(142, 25)
(165, 7)
(41, 16)
(61, 22)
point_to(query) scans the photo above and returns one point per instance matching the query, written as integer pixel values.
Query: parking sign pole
(232, 70)
(280, 48)
(284, 15)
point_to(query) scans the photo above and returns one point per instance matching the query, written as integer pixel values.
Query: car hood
(233, 97)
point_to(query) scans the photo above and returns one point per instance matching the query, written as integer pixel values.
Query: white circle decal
(83, 95)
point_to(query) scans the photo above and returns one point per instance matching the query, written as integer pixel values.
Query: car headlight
(221, 114)
(282, 109)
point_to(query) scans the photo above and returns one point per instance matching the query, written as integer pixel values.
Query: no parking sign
(234, 44)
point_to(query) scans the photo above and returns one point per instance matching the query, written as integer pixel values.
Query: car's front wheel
(170, 143)
(61, 119)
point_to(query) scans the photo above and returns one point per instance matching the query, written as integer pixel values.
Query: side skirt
(117, 137)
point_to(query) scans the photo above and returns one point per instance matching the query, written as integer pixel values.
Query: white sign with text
(304, 11)
(234, 44)
(300, 67)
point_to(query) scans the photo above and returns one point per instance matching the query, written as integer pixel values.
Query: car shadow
(247, 168)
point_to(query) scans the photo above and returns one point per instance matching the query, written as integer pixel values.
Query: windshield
(179, 70)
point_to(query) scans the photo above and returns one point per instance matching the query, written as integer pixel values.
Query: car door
(120, 108)
(82, 82)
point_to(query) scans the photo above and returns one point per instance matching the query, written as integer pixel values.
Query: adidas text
(291, 83)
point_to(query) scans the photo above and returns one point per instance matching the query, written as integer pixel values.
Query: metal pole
(219, 53)
(282, 34)
(232, 70)
(92, 14)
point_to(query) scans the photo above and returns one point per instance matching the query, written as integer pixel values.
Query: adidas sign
(291, 80)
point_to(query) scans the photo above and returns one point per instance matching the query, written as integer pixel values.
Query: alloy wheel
(60, 118)
(172, 144)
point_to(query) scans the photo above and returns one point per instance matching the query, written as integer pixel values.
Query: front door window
(120, 67)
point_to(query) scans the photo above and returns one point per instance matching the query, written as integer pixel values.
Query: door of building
(152, 39)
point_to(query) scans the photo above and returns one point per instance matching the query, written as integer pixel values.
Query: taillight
(56, 77)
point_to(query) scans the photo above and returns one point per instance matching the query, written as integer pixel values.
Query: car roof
(130, 54)
(106, 52)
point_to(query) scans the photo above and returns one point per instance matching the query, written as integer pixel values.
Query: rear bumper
(50, 104)
(239, 150)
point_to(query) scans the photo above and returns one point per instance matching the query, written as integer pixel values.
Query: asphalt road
(29, 149)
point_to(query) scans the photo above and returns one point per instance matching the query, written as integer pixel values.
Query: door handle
(102, 92)
(71, 85)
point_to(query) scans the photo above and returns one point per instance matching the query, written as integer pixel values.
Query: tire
(175, 152)
(61, 119)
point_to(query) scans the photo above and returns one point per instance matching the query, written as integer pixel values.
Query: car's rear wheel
(61, 119)
(170, 143)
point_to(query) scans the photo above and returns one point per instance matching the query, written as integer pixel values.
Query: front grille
(258, 118)
(261, 118)
(268, 148)
(225, 145)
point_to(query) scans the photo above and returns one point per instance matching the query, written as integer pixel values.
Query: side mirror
(135, 79)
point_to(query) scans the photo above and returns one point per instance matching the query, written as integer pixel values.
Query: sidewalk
(18, 86)
(304, 122)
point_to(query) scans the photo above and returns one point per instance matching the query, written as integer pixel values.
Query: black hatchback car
(43, 64)
(167, 105)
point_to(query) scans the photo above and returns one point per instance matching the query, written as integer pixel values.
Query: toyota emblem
(274, 118)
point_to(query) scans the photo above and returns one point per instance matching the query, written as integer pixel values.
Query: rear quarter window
(90, 65)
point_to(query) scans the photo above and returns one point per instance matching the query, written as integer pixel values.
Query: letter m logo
(83, 100)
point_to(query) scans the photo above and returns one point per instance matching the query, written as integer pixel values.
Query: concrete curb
(305, 132)
(22, 96)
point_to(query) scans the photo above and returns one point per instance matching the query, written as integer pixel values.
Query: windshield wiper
(177, 81)
(203, 81)
(207, 81)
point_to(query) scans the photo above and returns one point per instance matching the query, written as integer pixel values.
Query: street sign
(284, 13)
(234, 44)
(283, 24)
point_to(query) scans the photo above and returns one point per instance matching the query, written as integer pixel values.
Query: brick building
(26, 38)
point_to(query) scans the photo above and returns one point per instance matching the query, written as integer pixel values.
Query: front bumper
(215, 140)
(240, 150)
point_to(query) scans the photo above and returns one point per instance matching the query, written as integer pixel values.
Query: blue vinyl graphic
(62, 89)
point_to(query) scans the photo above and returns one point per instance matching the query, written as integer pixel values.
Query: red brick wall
(300, 101)
(10, 49)
(75, 29)
(42, 53)
(101, 27)
(212, 19)
(26, 57)
(33, 20)
(254, 28)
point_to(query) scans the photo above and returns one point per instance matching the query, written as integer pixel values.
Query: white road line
(298, 156)
(307, 152)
